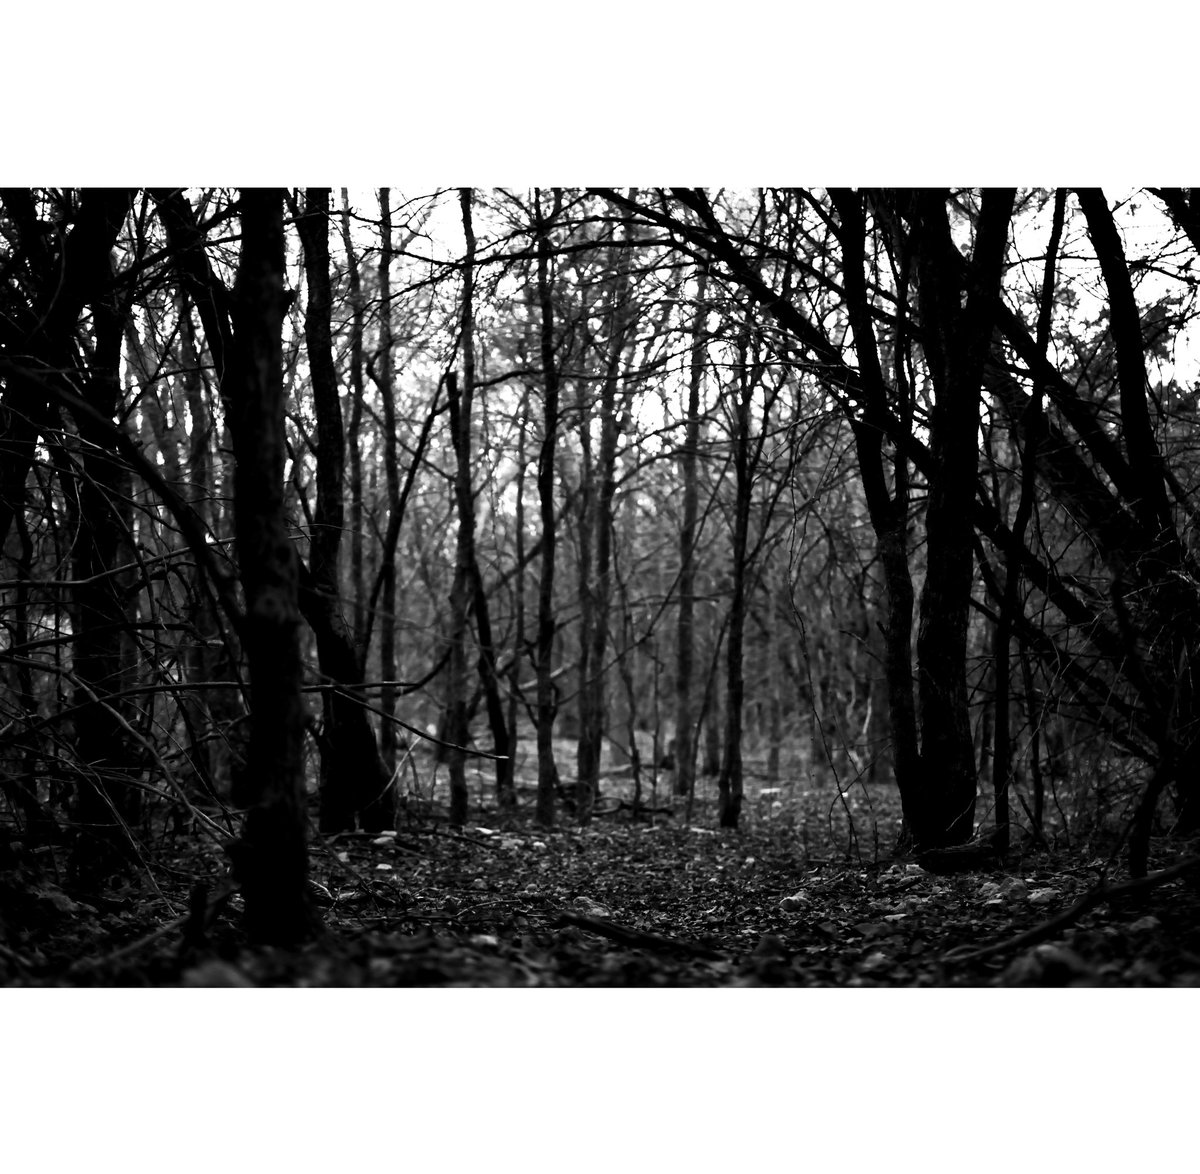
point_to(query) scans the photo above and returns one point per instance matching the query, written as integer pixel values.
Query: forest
(599, 587)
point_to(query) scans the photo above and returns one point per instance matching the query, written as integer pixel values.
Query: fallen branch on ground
(1093, 897)
(636, 938)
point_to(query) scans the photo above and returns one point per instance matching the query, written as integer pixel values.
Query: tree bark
(387, 394)
(68, 282)
(888, 509)
(353, 777)
(596, 593)
(729, 782)
(547, 704)
(956, 342)
(467, 560)
(685, 743)
(357, 578)
(270, 859)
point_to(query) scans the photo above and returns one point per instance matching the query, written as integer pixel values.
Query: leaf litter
(614, 904)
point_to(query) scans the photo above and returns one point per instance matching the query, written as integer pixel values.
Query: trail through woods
(790, 900)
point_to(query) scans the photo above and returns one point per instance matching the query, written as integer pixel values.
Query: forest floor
(792, 898)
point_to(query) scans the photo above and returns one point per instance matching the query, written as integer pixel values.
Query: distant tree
(547, 701)
(685, 746)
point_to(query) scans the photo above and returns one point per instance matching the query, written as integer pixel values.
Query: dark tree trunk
(271, 858)
(58, 285)
(888, 509)
(1156, 597)
(468, 564)
(387, 394)
(508, 801)
(685, 742)
(68, 282)
(956, 342)
(729, 782)
(353, 777)
(357, 578)
(547, 706)
(596, 579)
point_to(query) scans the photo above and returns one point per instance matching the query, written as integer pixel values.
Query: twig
(85, 964)
(636, 938)
(212, 904)
(20, 962)
(481, 843)
(1094, 896)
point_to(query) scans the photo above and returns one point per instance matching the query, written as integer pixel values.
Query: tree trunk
(270, 859)
(596, 594)
(354, 449)
(69, 281)
(460, 429)
(685, 743)
(957, 339)
(387, 394)
(353, 777)
(729, 782)
(547, 704)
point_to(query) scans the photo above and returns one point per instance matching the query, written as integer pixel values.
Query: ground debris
(618, 904)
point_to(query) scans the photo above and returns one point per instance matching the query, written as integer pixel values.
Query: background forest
(864, 517)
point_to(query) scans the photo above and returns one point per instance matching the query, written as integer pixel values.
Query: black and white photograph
(721, 589)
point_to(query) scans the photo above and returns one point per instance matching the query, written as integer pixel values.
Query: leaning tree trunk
(888, 510)
(1160, 599)
(271, 858)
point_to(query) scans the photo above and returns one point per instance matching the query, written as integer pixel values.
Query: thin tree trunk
(354, 448)
(1032, 428)
(457, 731)
(774, 653)
(387, 394)
(685, 744)
(353, 776)
(547, 705)
(508, 800)
(729, 782)
(597, 592)
(465, 495)
(888, 509)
